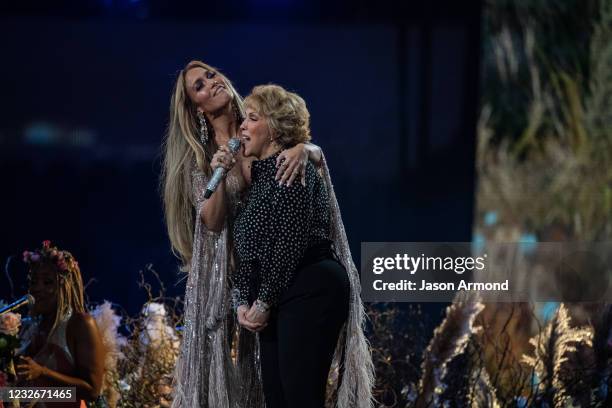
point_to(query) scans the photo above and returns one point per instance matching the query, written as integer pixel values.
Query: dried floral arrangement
(544, 174)
(141, 350)
(9, 342)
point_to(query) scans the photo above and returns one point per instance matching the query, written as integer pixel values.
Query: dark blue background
(392, 92)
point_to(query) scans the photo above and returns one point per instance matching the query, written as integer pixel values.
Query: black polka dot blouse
(274, 229)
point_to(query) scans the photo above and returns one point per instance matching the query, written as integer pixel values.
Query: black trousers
(298, 344)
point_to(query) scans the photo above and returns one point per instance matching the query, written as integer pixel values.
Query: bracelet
(261, 306)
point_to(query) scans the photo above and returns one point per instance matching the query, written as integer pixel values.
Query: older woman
(205, 112)
(290, 286)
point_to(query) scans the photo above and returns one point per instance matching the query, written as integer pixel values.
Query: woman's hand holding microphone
(223, 158)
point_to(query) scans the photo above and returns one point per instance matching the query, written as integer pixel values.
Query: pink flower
(46, 243)
(9, 323)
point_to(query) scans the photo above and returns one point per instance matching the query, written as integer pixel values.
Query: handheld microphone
(234, 145)
(25, 300)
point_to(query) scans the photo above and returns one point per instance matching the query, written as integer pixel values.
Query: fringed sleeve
(204, 371)
(353, 354)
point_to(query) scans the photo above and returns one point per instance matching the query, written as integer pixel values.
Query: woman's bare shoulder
(82, 322)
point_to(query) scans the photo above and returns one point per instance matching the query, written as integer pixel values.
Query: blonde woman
(205, 112)
(65, 347)
(296, 283)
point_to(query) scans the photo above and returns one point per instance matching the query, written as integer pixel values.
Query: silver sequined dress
(205, 375)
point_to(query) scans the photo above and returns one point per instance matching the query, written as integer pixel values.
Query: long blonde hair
(181, 147)
(70, 291)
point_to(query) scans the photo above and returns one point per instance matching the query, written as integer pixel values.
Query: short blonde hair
(285, 111)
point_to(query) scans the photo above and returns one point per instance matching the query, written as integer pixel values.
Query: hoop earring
(203, 128)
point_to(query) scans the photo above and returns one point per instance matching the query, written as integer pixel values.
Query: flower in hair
(29, 257)
(63, 260)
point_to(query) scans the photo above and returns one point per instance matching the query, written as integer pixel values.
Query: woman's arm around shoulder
(291, 162)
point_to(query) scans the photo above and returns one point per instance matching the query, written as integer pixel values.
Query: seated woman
(65, 346)
(289, 285)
